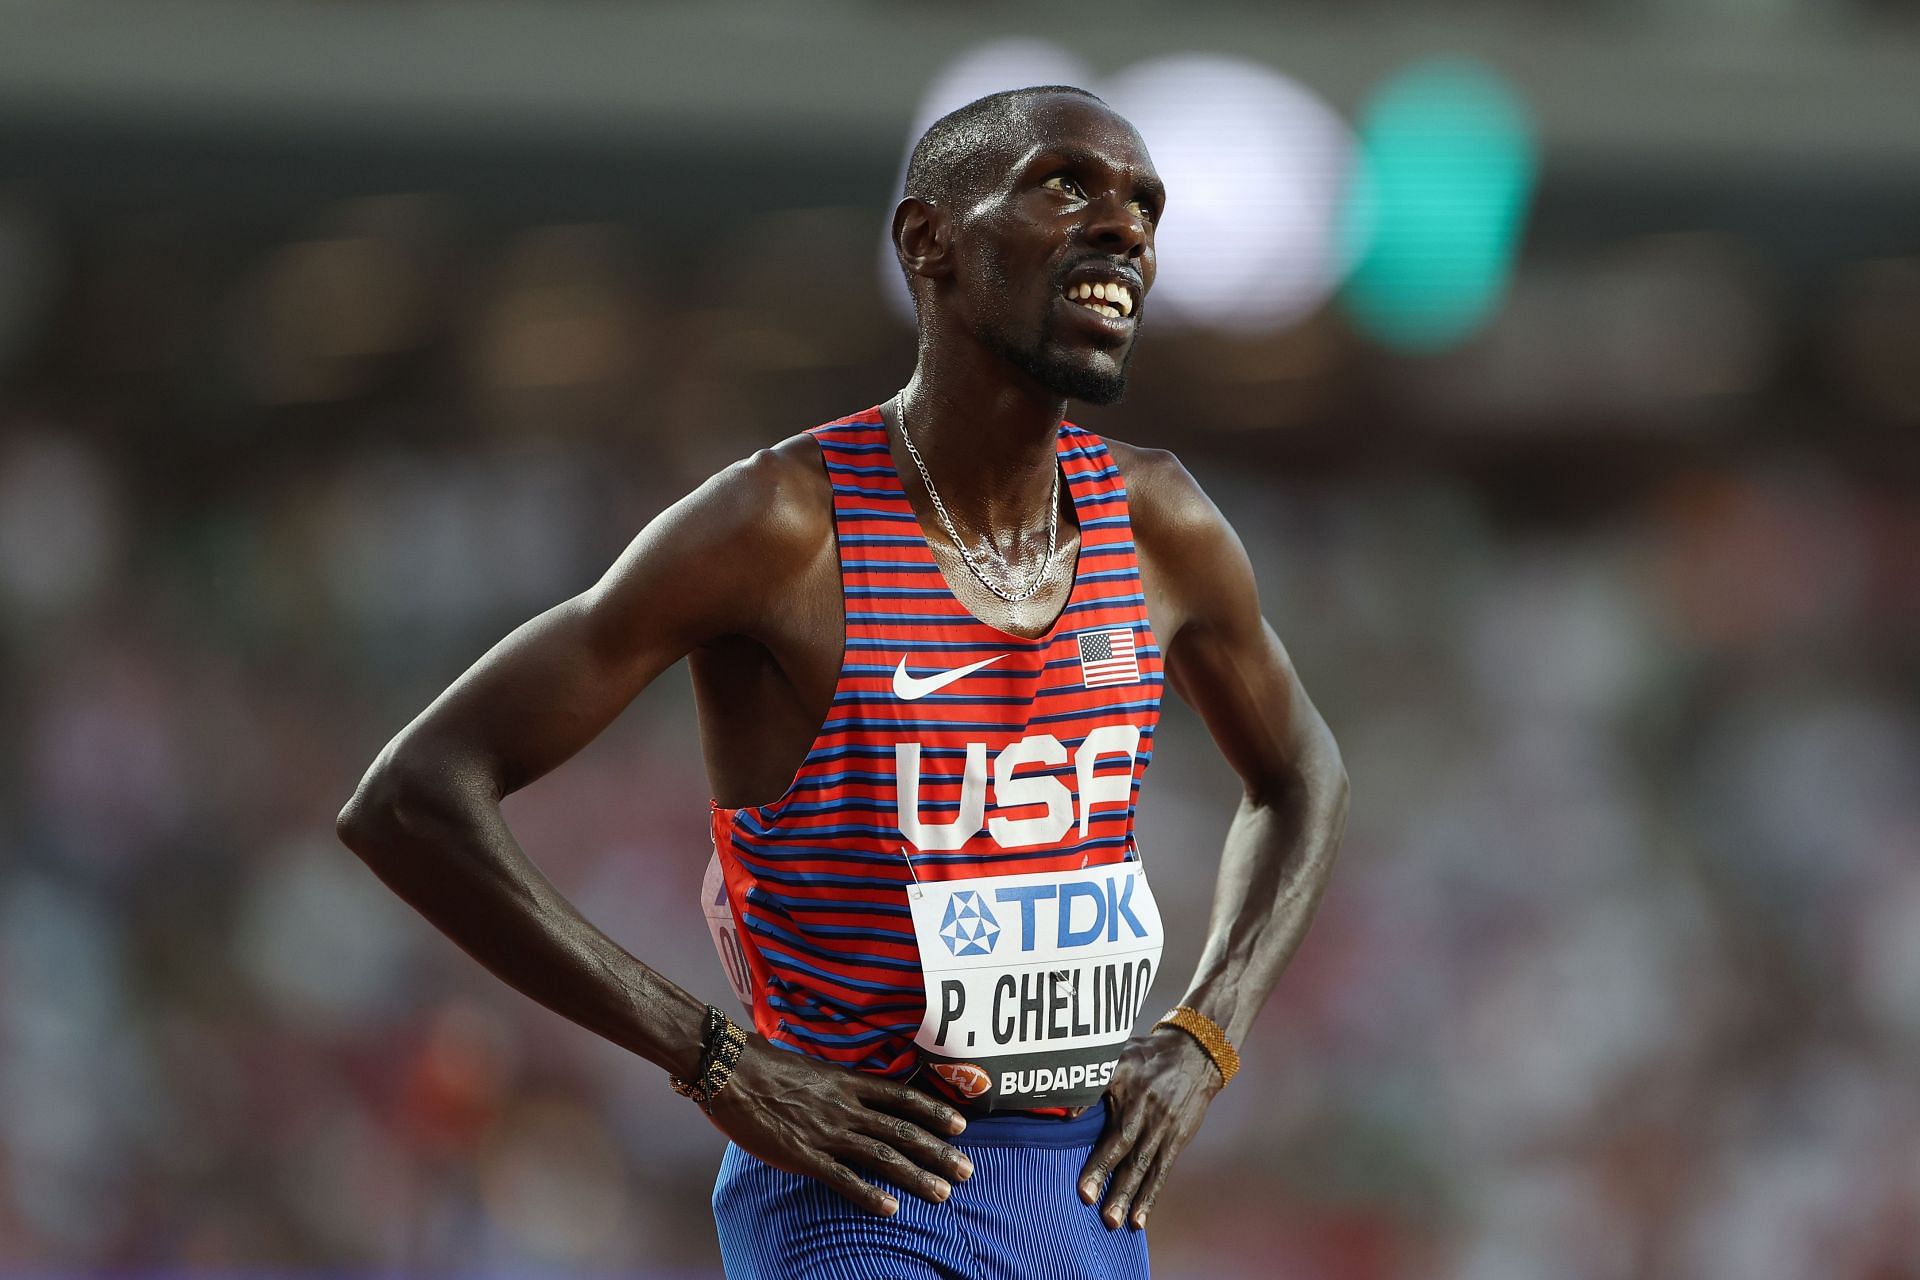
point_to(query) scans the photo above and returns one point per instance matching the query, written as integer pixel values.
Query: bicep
(558, 680)
(534, 699)
(1229, 665)
(1223, 658)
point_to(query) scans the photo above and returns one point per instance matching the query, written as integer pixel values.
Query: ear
(923, 238)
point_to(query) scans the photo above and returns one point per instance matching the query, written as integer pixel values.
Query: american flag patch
(1107, 657)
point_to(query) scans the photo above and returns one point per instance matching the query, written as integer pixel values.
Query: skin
(742, 578)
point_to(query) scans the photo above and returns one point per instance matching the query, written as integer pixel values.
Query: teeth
(1110, 300)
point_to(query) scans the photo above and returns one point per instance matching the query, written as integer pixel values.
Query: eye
(1063, 182)
(1143, 208)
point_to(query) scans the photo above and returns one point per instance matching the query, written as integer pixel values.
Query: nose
(1115, 226)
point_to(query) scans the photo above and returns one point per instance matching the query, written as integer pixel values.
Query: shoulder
(1171, 514)
(775, 506)
(1193, 567)
(718, 560)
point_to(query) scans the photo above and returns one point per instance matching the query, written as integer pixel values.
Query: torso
(1016, 768)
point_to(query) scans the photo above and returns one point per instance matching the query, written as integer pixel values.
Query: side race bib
(726, 933)
(1034, 981)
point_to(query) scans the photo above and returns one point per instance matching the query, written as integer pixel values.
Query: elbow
(1311, 784)
(1338, 790)
(370, 815)
(397, 801)
(1331, 773)
(1318, 789)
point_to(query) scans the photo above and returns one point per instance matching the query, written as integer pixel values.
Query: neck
(989, 441)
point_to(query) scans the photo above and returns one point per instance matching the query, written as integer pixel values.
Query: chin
(1096, 386)
(1079, 375)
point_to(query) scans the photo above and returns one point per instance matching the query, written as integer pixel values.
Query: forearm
(1279, 852)
(1278, 857)
(445, 849)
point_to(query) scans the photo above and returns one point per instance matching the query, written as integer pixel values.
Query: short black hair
(949, 155)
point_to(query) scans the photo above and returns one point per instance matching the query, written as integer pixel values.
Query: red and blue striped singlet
(952, 751)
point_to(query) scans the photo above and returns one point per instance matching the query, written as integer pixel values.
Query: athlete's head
(1016, 205)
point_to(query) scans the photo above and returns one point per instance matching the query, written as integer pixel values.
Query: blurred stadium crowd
(1615, 610)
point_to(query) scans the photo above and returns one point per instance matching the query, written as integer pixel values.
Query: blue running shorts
(1019, 1217)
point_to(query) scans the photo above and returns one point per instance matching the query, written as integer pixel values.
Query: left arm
(1223, 658)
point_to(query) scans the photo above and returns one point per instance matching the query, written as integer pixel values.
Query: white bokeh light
(1255, 166)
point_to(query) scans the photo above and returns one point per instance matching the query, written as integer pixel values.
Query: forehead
(1070, 123)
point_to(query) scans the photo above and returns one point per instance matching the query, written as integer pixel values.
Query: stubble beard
(1056, 369)
(1045, 358)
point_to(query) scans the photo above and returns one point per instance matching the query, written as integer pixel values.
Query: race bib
(1034, 981)
(726, 933)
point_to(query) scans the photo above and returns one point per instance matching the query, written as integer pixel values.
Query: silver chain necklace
(1053, 527)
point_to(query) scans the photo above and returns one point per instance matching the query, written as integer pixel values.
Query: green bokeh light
(1436, 215)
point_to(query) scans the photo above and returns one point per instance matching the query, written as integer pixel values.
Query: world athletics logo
(968, 927)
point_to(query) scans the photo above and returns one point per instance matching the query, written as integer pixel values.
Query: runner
(928, 642)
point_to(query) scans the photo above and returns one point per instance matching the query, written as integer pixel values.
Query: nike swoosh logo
(907, 688)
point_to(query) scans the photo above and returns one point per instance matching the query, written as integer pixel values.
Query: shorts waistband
(1022, 1129)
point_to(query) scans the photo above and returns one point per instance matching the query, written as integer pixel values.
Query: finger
(857, 1189)
(1157, 1178)
(1127, 1177)
(1123, 1127)
(881, 1160)
(902, 1100)
(916, 1144)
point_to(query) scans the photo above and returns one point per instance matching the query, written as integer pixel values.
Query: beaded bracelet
(1207, 1033)
(720, 1047)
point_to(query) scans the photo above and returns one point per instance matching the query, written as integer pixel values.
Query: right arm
(426, 819)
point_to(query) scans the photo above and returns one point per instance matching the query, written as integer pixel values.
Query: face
(1054, 252)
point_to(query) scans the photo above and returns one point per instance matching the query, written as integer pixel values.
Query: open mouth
(1113, 300)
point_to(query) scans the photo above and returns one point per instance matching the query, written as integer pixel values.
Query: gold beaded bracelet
(1208, 1035)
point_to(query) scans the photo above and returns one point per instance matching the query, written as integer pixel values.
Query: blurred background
(1560, 366)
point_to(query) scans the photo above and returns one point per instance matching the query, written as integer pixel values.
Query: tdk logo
(1085, 911)
(968, 927)
(1063, 916)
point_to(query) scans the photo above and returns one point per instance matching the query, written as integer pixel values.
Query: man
(877, 612)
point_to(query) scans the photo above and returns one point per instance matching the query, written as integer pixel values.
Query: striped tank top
(952, 751)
